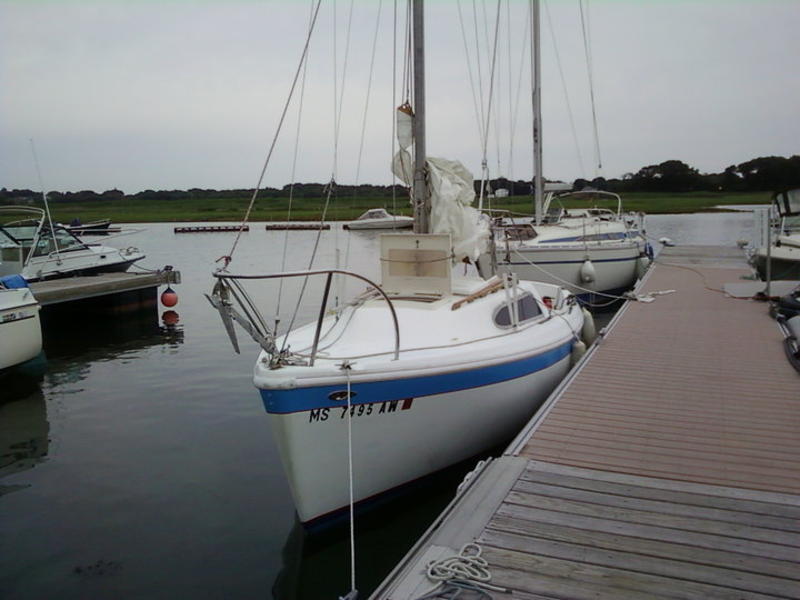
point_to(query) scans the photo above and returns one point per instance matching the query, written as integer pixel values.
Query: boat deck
(666, 465)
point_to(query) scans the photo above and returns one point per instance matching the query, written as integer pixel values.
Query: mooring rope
(353, 591)
(465, 570)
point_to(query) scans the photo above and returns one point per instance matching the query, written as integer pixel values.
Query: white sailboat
(20, 329)
(595, 252)
(36, 249)
(420, 371)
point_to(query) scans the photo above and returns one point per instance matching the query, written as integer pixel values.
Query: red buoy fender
(169, 298)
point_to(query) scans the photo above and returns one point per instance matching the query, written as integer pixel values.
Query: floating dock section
(210, 228)
(297, 226)
(117, 292)
(666, 465)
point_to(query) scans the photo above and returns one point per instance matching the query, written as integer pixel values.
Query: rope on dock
(467, 570)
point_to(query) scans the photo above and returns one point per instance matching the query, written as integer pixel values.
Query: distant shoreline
(265, 210)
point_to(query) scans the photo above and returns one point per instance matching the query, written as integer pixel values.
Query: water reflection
(316, 564)
(24, 429)
(109, 337)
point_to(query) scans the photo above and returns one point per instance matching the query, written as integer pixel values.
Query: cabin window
(527, 309)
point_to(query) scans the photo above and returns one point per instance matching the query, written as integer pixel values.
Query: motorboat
(595, 250)
(379, 218)
(98, 227)
(426, 368)
(780, 258)
(20, 327)
(30, 246)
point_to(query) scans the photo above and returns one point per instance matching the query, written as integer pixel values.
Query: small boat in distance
(99, 227)
(20, 329)
(31, 247)
(379, 218)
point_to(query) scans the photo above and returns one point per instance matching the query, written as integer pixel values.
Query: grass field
(344, 209)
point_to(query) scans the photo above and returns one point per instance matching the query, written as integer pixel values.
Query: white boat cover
(452, 193)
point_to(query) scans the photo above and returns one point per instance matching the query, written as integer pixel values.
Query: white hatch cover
(415, 264)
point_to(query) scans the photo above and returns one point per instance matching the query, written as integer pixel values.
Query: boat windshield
(590, 203)
(22, 232)
(6, 241)
(375, 213)
(63, 241)
(788, 203)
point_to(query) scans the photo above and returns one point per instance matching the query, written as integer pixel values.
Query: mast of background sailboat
(420, 189)
(536, 81)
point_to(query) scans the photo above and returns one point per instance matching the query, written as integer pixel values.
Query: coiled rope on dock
(467, 570)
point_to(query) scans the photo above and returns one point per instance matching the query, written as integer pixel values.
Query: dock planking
(667, 465)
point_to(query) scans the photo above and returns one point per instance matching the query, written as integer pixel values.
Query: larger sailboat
(573, 239)
(422, 370)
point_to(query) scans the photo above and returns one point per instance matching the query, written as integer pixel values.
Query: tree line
(766, 173)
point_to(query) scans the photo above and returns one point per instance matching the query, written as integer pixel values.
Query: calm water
(136, 459)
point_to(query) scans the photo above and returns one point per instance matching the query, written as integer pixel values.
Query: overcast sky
(141, 95)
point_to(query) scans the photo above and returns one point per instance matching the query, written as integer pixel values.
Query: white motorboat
(31, 247)
(783, 253)
(379, 218)
(20, 328)
(421, 371)
(594, 251)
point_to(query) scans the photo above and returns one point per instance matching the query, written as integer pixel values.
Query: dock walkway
(667, 465)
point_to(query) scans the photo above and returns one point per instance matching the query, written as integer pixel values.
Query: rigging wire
(44, 198)
(484, 148)
(394, 100)
(564, 86)
(517, 95)
(587, 51)
(469, 72)
(292, 179)
(227, 259)
(331, 187)
(364, 117)
(510, 97)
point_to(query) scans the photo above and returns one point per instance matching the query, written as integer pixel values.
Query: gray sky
(173, 95)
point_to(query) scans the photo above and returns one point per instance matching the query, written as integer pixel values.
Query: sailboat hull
(615, 267)
(402, 429)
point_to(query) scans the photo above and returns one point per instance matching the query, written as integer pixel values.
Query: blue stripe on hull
(569, 262)
(281, 401)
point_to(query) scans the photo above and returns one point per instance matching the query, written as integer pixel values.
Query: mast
(536, 79)
(422, 208)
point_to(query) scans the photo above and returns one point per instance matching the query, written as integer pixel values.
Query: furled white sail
(452, 193)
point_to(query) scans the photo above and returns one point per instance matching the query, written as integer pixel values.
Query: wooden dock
(210, 228)
(297, 226)
(75, 289)
(666, 465)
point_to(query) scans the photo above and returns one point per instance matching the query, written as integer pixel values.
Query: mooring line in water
(353, 593)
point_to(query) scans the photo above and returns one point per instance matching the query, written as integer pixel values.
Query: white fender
(641, 266)
(588, 274)
(578, 350)
(794, 327)
(588, 331)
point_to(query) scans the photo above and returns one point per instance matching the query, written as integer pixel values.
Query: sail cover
(452, 193)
